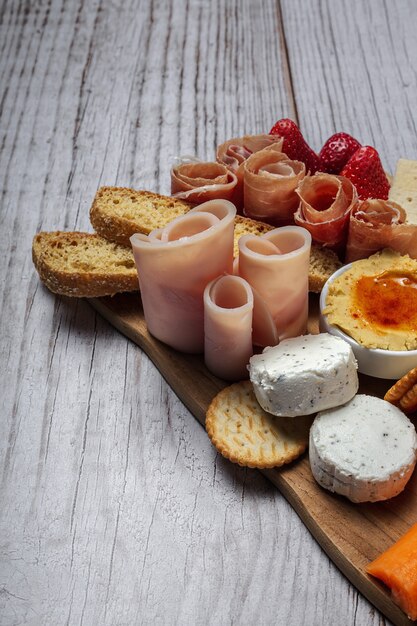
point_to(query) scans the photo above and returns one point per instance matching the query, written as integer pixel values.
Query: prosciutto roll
(325, 205)
(270, 181)
(228, 312)
(276, 265)
(200, 181)
(174, 265)
(378, 224)
(234, 152)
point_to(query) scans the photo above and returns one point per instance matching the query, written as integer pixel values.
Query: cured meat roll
(276, 265)
(200, 181)
(234, 152)
(228, 312)
(270, 181)
(378, 224)
(235, 318)
(174, 265)
(264, 331)
(325, 205)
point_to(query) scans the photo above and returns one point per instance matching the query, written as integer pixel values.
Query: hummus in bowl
(372, 304)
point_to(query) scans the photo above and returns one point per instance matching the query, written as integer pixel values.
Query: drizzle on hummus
(375, 301)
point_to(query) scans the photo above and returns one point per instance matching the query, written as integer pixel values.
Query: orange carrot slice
(397, 568)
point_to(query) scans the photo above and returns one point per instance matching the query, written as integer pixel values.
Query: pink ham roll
(174, 265)
(276, 266)
(228, 311)
(325, 205)
(378, 224)
(270, 181)
(200, 181)
(234, 152)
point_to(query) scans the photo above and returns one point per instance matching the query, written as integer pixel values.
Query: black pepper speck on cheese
(304, 375)
(377, 465)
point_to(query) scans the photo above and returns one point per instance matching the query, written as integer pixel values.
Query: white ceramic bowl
(371, 361)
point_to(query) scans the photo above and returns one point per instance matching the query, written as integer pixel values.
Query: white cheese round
(365, 450)
(304, 375)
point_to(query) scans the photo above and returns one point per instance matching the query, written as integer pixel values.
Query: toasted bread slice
(117, 213)
(83, 265)
(323, 263)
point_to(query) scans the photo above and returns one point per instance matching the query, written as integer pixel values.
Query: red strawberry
(295, 146)
(365, 171)
(336, 152)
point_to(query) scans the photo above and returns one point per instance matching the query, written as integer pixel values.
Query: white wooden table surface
(114, 507)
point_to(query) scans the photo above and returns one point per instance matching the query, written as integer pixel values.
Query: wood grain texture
(115, 508)
(353, 69)
(352, 535)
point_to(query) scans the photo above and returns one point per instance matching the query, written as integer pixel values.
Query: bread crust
(119, 228)
(66, 281)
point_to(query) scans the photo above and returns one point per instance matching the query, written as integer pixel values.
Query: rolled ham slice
(378, 224)
(228, 313)
(174, 265)
(264, 331)
(234, 152)
(276, 265)
(200, 181)
(270, 181)
(325, 205)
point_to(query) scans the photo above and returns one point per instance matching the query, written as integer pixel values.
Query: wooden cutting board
(351, 535)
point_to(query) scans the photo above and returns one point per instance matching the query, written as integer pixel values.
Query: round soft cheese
(364, 450)
(304, 375)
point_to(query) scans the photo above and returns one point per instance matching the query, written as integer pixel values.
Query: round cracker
(245, 434)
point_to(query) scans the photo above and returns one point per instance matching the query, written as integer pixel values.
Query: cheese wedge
(404, 188)
(365, 450)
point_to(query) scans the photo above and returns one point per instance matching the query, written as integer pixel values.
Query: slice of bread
(117, 213)
(83, 264)
(323, 263)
